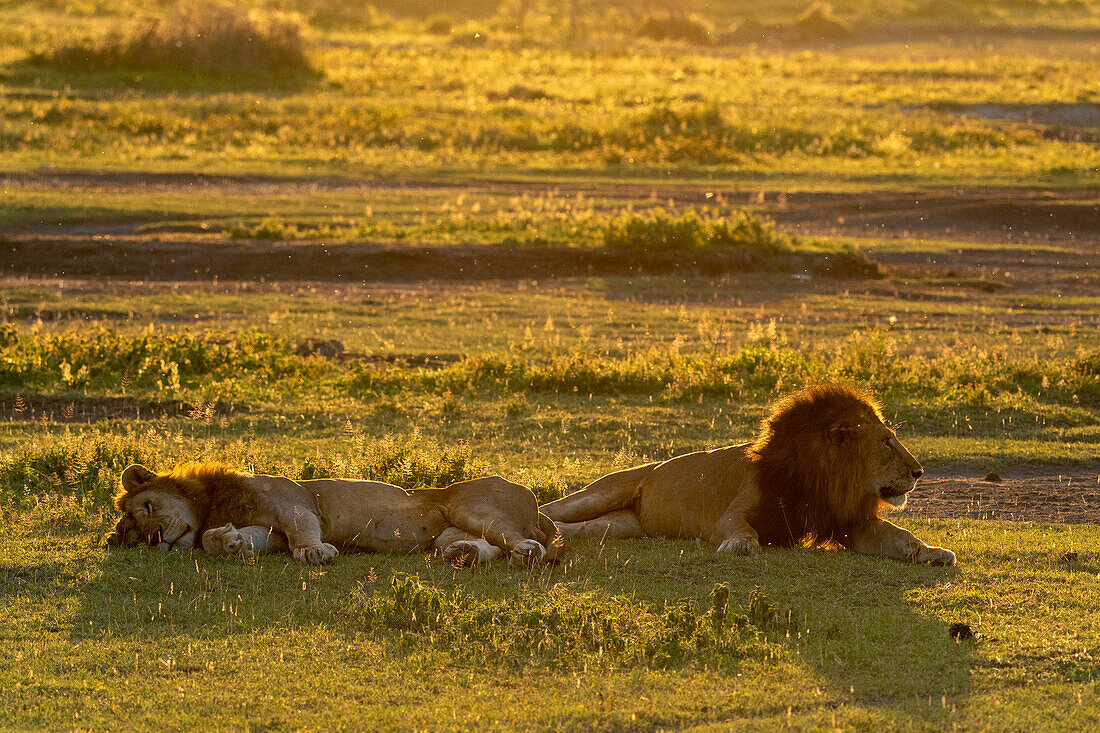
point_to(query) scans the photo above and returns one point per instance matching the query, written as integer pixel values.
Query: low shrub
(658, 231)
(408, 461)
(205, 38)
(102, 358)
(676, 27)
(270, 228)
(655, 231)
(86, 465)
(440, 25)
(820, 22)
(567, 632)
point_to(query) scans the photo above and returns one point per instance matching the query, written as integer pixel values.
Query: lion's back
(686, 496)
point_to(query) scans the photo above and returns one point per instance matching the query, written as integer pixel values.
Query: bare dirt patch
(83, 410)
(1069, 122)
(1041, 238)
(155, 258)
(1033, 494)
(991, 215)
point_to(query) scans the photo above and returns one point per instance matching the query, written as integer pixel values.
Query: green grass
(395, 98)
(489, 127)
(621, 634)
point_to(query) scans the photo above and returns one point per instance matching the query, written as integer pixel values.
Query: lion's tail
(554, 541)
(611, 493)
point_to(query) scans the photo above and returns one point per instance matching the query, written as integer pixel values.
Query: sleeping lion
(822, 470)
(224, 512)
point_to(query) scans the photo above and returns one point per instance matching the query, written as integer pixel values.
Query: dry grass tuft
(203, 38)
(676, 27)
(818, 21)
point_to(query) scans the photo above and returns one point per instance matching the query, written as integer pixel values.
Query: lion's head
(166, 511)
(826, 461)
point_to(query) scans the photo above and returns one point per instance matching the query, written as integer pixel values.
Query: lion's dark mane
(810, 465)
(217, 493)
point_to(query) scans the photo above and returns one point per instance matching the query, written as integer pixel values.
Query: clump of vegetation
(341, 14)
(408, 461)
(657, 231)
(676, 27)
(86, 465)
(103, 358)
(440, 25)
(270, 228)
(203, 38)
(819, 21)
(571, 631)
(519, 92)
(700, 121)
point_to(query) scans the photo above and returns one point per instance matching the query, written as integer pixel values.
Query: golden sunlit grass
(396, 98)
(550, 391)
(550, 382)
(205, 38)
(663, 632)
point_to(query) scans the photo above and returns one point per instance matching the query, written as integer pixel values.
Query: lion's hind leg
(463, 549)
(503, 539)
(603, 496)
(243, 542)
(620, 525)
(550, 537)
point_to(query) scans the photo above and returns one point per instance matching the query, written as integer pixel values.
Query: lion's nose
(917, 473)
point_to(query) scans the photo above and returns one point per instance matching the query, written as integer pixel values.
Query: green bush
(270, 228)
(440, 25)
(86, 465)
(403, 460)
(656, 231)
(102, 358)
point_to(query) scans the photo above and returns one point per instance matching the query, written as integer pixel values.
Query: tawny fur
(820, 472)
(213, 507)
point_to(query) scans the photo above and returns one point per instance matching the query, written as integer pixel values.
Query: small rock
(960, 632)
(994, 477)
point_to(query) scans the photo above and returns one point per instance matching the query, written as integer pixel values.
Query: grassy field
(420, 246)
(391, 97)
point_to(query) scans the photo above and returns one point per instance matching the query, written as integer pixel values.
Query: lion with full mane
(226, 512)
(823, 469)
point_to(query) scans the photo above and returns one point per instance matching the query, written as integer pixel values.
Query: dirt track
(1042, 238)
(1037, 494)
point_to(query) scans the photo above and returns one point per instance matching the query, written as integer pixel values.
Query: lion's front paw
(316, 554)
(937, 556)
(464, 553)
(741, 546)
(226, 540)
(528, 552)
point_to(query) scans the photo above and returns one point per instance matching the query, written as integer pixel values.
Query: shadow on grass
(44, 80)
(645, 605)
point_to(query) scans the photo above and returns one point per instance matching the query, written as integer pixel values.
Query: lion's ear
(135, 476)
(841, 433)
